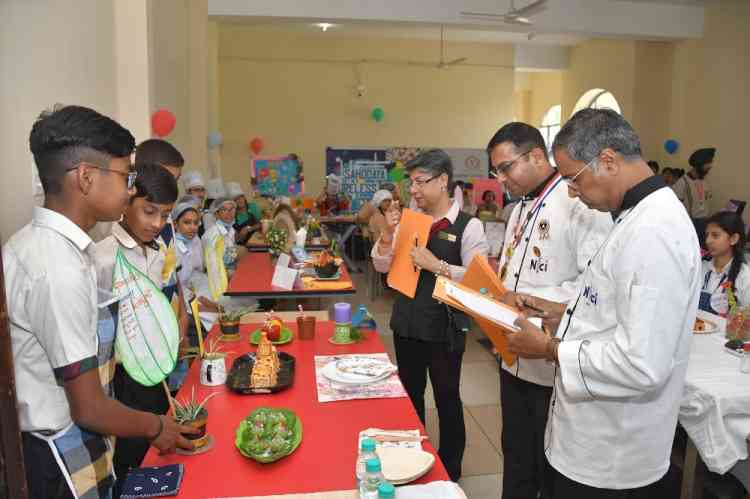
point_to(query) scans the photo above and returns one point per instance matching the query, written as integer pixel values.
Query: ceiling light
(325, 26)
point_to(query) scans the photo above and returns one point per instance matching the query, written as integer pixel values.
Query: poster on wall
(364, 170)
(277, 176)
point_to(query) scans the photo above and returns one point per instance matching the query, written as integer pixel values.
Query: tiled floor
(480, 392)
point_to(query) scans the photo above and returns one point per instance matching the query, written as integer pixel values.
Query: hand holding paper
(529, 342)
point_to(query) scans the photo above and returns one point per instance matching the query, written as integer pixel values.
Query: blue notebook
(157, 481)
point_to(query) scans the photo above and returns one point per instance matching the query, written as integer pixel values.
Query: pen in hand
(416, 245)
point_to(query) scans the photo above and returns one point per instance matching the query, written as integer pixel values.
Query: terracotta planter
(199, 439)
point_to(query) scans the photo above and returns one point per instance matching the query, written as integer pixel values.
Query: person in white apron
(726, 269)
(60, 329)
(622, 347)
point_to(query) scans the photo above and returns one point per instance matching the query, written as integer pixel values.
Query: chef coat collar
(538, 191)
(639, 192)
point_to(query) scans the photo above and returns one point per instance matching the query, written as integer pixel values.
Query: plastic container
(386, 491)
(366, 452)
(372, 480)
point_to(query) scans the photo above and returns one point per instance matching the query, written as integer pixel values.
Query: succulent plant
(189, 409)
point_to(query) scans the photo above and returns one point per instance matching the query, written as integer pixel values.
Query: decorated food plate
(358, 370)
(268, 434)
(238, 379)
(285, 337)
(703, 326)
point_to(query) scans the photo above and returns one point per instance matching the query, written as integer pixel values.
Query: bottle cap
(386, 490)
(368, 445)
(373, 465)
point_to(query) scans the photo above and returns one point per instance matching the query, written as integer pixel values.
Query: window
(551, 125)
(597, 98)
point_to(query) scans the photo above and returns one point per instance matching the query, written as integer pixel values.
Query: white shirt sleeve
(650, 299)
(60, 310)
(742, 285)
(473, 242)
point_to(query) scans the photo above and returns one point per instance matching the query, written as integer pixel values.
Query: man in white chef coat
(622, 346)
(550, 239)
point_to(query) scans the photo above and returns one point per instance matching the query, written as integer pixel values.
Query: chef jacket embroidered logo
(543, 229)
(590, 295)
(539, 265)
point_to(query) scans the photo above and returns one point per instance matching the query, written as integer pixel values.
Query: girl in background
(725, 241)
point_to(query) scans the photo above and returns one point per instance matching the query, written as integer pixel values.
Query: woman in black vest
(428, 335)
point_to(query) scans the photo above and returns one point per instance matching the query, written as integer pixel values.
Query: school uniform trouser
(565, 488)
(129, 452)
(526, 473)
(415, 358)
(43, 476)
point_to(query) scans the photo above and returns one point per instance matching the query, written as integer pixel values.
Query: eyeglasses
(420, 183)
(570, 180)
(504, 168)
(129, 176)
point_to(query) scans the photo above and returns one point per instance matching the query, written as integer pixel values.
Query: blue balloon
(671, 146)
(215, 139)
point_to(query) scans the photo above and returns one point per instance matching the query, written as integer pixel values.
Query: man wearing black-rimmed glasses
(549, 239)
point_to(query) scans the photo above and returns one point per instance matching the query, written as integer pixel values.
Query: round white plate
(362, 368)
(330, 372)
(401, 465)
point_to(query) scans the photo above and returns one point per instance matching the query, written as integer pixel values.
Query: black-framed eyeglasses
(420, 183)
(506, 167)
(129, 176)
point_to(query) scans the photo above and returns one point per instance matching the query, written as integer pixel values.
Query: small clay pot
(199, 439)
(229, 328)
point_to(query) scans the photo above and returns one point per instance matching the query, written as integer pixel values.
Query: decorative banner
(487, 184)
(363, 170)
(277, 176)
(148, 336)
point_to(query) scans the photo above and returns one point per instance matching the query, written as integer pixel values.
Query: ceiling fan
(443, 63)
(513, 16)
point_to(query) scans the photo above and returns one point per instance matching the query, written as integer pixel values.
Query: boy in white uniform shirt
(549, 240)
(623, 343)
(63, 361)
(137, 237)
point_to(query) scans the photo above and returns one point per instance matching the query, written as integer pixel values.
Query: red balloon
(256, 145)
(162, 122)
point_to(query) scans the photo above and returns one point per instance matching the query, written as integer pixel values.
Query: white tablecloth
(715, 410)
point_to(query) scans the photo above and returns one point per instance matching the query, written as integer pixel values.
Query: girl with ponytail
(726, 268)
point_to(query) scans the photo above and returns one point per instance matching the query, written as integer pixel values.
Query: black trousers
(415, 358)
(129, 452)
(43, 475)
(526, 472)
(565, 488)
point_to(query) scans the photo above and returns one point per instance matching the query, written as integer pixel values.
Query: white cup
(213, 372)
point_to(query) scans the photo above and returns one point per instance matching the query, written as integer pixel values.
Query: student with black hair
(162, 153)
(63, 361)
(726, 268)
(136, 236)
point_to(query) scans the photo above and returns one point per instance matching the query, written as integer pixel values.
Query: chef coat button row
(527, 239)
(515, 275)
(569, 312)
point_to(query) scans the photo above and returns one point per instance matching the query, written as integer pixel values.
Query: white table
(715, 410)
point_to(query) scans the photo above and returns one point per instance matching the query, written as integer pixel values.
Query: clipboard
(480, 275)
(403, 276)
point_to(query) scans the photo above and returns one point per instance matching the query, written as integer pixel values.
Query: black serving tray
(238, 379)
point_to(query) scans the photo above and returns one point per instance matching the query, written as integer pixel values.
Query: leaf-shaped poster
(215, 268)
(148, 335)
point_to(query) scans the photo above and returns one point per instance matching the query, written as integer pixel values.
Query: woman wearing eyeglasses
(428, 336)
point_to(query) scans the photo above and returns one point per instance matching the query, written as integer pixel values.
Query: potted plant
(229, 322)
(276, 241)
(213, 366)
(192, 413)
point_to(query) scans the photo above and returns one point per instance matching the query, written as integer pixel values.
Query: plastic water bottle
(745, 361)
(366, 452)
(372, 480)
(386, 491)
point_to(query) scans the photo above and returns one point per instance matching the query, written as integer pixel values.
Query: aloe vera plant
(189, 409)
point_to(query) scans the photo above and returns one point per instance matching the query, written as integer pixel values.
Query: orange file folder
(413, 230)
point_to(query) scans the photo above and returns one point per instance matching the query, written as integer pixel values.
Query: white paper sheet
(283, 260)
(284, 277)
(483, 306)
